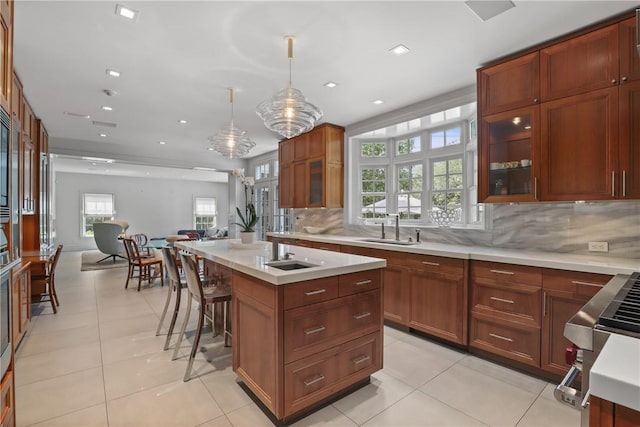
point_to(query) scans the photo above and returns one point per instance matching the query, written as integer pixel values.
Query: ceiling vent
(486, 9)
(105, 124)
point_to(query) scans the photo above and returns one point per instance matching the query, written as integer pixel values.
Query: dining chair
(143, 264)
(203, 296)
(141, 240)
(48, 279)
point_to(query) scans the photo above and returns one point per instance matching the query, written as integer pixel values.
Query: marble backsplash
(551, 227)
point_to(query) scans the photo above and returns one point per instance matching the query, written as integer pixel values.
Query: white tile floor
(98, 363)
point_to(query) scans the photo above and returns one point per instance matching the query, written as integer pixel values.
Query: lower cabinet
(297, 344)
(604, 413)
(439, 297)
(20, 301)
(7, 410)
(564, 294)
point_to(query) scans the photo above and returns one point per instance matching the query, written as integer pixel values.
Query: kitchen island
(304, 336)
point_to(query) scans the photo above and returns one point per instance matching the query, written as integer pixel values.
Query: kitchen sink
(290, 265)
(389, 242)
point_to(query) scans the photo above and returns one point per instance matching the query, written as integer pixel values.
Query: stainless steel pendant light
(231, 141)
(288, 112)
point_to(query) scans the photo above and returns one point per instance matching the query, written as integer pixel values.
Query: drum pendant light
(288, 112)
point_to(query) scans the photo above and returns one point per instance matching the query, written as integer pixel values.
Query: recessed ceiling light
(210, 149)
(399, 49)
(331, 84)
(113, 73)
(182, 122)
(107, 108)
(126, 12)
(161, 142)
(378, 101)
(103, 135)
(98, 159)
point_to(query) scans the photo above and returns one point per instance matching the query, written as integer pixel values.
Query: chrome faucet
(382, 235)
(274, 248)
(397, 225)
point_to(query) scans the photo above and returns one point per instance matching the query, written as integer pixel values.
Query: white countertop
(252, 259)
(615, 375)
(562, 261)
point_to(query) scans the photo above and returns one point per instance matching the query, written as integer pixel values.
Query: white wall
(155, 207)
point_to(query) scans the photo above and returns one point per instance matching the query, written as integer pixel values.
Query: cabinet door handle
(624, 183)
(624, 78)
(313, 381)
(364, 358)
(535, 187)
(502, 300)
(362, 282)
(510, 273)
(578, 282)
(613, 81)
(361, 315)
(435, 264)
(316, 292)
(500, 337)
(314, 330)
(324, 248)
(613, 183)
(535, 100)
(544, 304)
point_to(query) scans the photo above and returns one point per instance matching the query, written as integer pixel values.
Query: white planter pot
(248, 236)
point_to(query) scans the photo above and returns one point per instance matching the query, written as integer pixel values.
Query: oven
(615, 309)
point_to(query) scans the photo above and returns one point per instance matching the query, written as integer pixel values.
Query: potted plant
(250, 218)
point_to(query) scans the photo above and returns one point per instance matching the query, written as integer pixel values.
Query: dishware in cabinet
(508, 156)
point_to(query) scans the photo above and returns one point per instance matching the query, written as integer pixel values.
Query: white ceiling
(179, 58)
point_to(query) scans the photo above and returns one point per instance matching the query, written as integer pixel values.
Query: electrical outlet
(598, 246)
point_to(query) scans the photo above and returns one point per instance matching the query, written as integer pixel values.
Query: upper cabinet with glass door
(508, 164)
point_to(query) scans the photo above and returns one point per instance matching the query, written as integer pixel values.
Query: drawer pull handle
(435, 264)
(324, 248)
(578, 282)
(360, 360)
(503, 272)
(362, 282)
(500, 337)
(316, 292)
(313, 381)
(314, 330)
(361, 315)
(501, 300)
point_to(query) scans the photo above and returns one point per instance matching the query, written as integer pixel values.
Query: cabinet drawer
(357, 250)
(509, 273)
(578, 283)
(508, 339)
(6, 403)
(313, 291)
(520, 301)
(435, 264)
(361, 281)
(326, 246)
(313, 328)
(316, 377)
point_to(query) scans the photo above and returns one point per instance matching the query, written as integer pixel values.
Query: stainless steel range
(613, 310)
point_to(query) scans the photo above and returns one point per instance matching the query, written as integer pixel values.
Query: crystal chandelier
(231, 140)
(288, 112)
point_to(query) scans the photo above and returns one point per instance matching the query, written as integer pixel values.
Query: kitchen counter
(562, 261)
(252, 259)
(615, 375)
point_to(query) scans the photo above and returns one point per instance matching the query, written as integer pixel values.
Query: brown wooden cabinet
(505, 310)
(7, 400)
(509, 156)
(6, 53)
(297, 344)
(579, 146)
(27, 161)
(564, 294)
(581, 64)
(629, 187)
(604, 413)
(20, 301)
(587, 114)
(311, 169)
(438, 297)
(510, 85)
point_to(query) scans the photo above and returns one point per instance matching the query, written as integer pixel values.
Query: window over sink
(417, 166)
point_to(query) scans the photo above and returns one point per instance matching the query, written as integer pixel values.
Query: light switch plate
(598, 246)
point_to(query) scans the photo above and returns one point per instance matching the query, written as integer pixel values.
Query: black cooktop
(624, 311)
